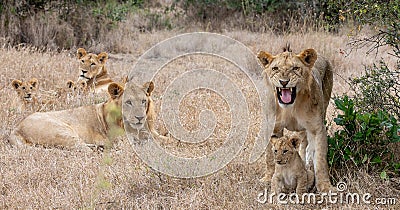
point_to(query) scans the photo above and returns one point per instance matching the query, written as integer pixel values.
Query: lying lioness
(74, 128)
(290, 170)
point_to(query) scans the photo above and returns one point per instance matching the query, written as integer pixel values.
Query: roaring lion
(93, 70)
(74, 128)
(27, 93)
(290, 170)
(303, 87)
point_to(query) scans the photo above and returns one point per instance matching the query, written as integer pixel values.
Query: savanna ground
(38, 178)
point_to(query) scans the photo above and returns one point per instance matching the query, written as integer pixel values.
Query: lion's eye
(30, 88)
(275, 68)
(275, 151)
(83, 61)
(23, 88)
(296, 68)
(129, 103)
(284, 151)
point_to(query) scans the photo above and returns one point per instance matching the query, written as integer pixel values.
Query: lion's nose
(139, 118)
(284, 82)
(29, 95)
(83, 71)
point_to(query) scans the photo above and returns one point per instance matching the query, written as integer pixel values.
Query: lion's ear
(70, 84)
(80, 53)
(265, 58)
(16, 83)
(295, 141)
(273, 140)
(148, 87)
(82, 85)
(308, 57)
(102, 57)
(34, 82)
(115, 90)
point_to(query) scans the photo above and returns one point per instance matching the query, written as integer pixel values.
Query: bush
(364, 139)
(369, 123)
(378, 89)
(61, 24)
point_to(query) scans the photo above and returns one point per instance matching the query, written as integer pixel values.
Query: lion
(138, 111)
(75, 88)
(303, 84)
(93, 70)
(80, 127)
(290, 170)
(31, 98)
(27, 93)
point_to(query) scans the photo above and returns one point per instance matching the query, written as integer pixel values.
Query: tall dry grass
(38, 178)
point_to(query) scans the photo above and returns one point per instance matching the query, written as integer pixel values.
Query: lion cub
(30, 98)
(27, 93)
(290, 170)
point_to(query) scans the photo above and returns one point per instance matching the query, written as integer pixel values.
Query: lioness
(93, 70)
(290, 170)
(73, 128)
(27, 93)
(138, 110)
(303, 87)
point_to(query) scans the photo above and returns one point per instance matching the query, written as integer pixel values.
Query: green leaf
(365, 158)
(376, 159)
(384, 175)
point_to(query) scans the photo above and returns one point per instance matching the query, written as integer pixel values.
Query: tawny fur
(73, 128)
(92, 70)
(27, 94)
(311, 78)
(138, 111)
(290, 170)
(30, 98)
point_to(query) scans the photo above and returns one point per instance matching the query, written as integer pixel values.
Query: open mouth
(286, 95)
(27, 98)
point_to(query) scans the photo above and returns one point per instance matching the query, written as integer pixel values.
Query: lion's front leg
(301, 184)
(303, 145)
(316, 153)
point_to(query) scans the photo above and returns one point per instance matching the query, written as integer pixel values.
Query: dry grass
(37, 178)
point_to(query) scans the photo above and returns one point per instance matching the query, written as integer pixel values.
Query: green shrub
(360, 12)
(364, 139)
(378, 89)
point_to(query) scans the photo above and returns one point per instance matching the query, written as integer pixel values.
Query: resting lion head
(27, 90)
(289, 73)
(137, 105)
(91, 65)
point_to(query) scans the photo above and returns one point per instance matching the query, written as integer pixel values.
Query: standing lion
(303, 85)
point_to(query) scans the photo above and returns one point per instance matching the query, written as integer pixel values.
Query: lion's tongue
(286, 96)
